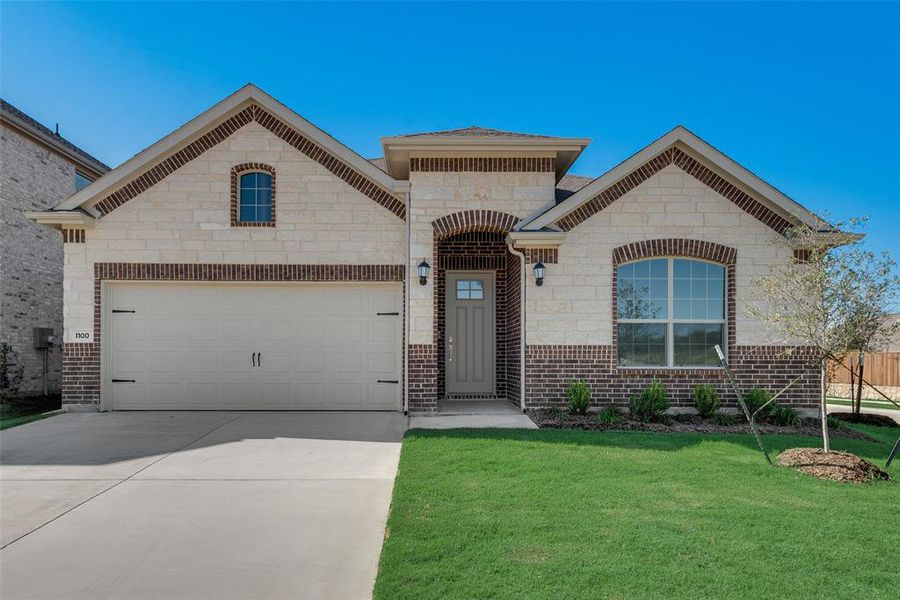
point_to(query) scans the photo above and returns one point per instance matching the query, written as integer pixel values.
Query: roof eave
(88, 167)
(62, 219)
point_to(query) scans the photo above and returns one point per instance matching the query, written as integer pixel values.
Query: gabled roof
(214, 125)
(16, 118)
(700, 159)
(476, 131)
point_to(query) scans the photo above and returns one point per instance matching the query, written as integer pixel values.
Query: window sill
(253, 224)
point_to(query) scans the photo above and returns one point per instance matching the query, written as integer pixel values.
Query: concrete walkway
(196, 505)
(454, 414)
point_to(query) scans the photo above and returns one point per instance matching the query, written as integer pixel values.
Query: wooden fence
(880, 369)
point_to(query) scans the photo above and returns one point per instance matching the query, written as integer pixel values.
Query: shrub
(579, 398)
(834, 422)
(786, 416)
(756, 398)
(610, 415)
(554, 412)
(724, 419)
(651, 405)
(706, 400)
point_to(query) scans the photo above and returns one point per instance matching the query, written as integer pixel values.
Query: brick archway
(468, 221)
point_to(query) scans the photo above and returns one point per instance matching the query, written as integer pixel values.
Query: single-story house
(248, 260)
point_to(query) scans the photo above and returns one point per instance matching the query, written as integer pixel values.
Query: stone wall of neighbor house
(32, 178)
(324, 228)
(454, 187)
(570, 321)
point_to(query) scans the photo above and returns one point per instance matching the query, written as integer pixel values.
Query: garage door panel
(204, 330)
(192, 346)
(348, 362)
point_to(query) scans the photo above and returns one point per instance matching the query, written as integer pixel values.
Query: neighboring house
(248, 260)
(38, 170)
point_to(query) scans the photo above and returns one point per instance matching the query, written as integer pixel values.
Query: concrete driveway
(196, 505)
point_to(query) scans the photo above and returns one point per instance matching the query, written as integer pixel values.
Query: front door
(471, 334)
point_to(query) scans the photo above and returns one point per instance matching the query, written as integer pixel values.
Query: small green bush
(579, 398)
(786, 416)
(554, 412)
(755, 398)
(651, 405)
(724, 419)
(610, 415)
(834, 422)
(706, 400)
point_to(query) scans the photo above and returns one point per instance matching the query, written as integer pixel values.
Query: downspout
(406, 288)
(522, 288)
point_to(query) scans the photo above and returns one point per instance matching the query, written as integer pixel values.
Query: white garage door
(253, 347)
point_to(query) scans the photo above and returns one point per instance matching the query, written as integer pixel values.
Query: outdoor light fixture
(424, 268)
(539, 273)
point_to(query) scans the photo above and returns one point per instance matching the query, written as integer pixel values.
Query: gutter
(522, 288)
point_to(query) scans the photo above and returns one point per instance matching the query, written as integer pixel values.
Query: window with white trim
(670, 312)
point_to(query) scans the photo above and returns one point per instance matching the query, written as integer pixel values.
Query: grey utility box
(43, 337)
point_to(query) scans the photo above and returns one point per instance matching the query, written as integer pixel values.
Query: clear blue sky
(805, 95)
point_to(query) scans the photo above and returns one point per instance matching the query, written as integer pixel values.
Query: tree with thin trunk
(834, 297)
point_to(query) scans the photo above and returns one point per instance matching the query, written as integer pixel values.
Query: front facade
(38, 170)
(250, 261)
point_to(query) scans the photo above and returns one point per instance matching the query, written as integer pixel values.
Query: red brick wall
(475, 251)
(513, 328)
(550, 369)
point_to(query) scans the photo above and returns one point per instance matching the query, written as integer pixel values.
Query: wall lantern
(539, 273)
(423, 269)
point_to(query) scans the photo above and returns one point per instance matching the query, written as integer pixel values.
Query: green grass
(568, 514)
(844, 402)
(18, 411)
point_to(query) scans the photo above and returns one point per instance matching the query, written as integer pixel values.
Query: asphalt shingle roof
(14, 112)
(475, 131)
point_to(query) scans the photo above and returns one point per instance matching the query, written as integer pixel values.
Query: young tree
(833, 297)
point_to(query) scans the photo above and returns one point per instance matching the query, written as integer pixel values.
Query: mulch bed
(865, 418)
(682, 424)
(833, 466)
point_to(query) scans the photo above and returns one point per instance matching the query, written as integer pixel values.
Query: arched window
(255, 197)
(670, 313)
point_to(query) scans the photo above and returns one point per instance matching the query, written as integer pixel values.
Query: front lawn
(18, 411)
(572, 514)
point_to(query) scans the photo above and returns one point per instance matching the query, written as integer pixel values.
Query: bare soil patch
(682, 424)
(833, 466)
(865, 418)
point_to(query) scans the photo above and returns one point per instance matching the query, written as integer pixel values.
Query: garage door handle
(388, 381)
(391, 314)
(123, 380)
(253, 358)
(116, 310)
(259, 359)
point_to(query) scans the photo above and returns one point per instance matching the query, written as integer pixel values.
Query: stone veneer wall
(180, 228)
(32, 178)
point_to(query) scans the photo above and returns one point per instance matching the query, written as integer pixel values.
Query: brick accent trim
(482, 164)
(468, 221)
(681, 159)
(547, 256)
(236, 172)
(677, 247)
(81, 362)
(73, 236)
(254, 112)
(802, 255)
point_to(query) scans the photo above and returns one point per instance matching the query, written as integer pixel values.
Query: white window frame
(671, 321)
